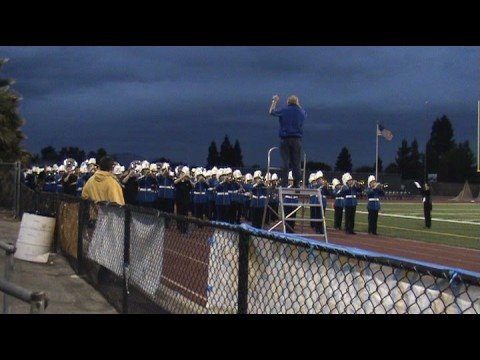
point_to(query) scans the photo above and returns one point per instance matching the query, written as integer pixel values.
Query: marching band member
(339, 204)
(183, 186)
(324, 192)
(50, 184)
(373, 192)
(130, 182)
(81, 178)
(200, 195)
(237, 199)
(273, 198)
(222, 198)
(247, 195)
(257, 202)
(147, 186)
(427, 203)
(211, 195)
(290, 199)
(69, 179)
(312, 184)
(58, 179)
(349, 192)
(166, 189)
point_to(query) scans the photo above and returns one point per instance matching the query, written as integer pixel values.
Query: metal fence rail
(38, 300)
(145, 261)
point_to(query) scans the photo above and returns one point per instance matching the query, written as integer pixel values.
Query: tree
(49, 153)
(415, 165)
(440, 142)
(237, 155)
(401, 160)
(317, 165)
(392, 168)
(35, 159)
(10, 121)
(408, 161)
(213, 158)
(458, 164)
(344, 161)
(365, 169)
(226, 152)
(100, 153)
(72, 152)
(161, 160)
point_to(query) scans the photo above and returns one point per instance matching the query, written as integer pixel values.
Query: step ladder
(303, 202)
(303, 195)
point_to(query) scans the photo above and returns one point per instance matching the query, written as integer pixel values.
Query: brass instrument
(70, 164)
(135, 165)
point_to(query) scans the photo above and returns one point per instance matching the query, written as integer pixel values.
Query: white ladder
(304, 201)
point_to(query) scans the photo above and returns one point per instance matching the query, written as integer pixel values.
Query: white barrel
(35, 238)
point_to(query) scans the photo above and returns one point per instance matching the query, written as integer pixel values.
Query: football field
(452, 223)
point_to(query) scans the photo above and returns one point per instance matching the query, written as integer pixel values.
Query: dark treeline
(228, 156)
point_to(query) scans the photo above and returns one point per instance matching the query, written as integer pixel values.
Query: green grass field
(452, 223)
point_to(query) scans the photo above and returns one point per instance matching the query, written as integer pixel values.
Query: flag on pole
(387, 134)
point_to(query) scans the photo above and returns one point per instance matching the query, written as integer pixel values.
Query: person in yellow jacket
(102, 185)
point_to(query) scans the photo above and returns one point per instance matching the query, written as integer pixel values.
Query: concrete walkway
(67, 293)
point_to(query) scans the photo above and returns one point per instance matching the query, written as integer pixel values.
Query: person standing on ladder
(291, 131)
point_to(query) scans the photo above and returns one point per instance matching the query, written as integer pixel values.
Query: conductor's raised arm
(273, 106)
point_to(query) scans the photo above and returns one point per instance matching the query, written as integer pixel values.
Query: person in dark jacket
(130, 186)
(69, 181)
(183, 187)
(291, 120)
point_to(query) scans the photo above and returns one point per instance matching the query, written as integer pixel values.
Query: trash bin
(35, 238)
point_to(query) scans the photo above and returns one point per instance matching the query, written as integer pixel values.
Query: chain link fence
(144, 261)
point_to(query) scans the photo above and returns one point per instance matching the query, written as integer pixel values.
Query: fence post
(81, 222)
(126, 259)
(18, 169)
(38, 303)
(8, 271)
(243, 246)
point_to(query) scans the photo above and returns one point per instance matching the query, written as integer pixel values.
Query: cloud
(173, 101)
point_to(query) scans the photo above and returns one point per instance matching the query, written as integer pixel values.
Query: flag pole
(376, 154)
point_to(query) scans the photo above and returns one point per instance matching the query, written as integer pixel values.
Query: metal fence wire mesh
(144, 261)
(7, 185)
(285, 278)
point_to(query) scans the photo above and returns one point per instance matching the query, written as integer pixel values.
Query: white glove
(417, 184)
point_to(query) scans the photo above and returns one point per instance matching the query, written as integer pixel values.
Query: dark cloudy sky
(173, 101)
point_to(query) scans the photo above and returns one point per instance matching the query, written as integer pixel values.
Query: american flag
(387, 134)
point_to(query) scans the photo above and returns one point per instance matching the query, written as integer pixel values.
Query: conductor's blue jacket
(291, 121)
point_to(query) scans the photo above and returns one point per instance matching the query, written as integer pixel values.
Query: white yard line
(421, 218)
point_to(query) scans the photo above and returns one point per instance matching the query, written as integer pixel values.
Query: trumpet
(377, 185)
(358, 183)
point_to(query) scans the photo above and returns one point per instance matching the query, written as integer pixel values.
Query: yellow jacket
(103, 186)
